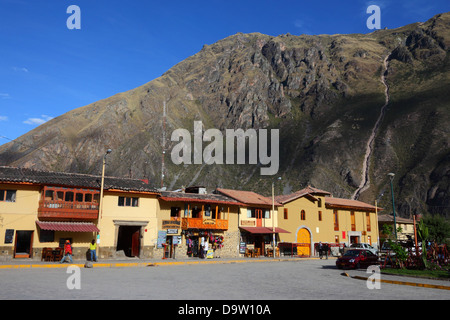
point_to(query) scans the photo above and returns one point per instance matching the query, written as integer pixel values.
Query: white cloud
(38, 121)
(20, 69)
(3, 118)
(5, 96)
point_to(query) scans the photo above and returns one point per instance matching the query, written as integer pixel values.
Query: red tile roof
(339, 203)
(308, 191)
(24, 175)
(247, 197)
(200, 198)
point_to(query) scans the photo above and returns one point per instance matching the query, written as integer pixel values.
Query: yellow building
(312, 215)
(192, 220)
(257, 222)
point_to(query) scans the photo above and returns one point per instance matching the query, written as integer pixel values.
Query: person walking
(320, 248)
(93, 250)
(67, 252)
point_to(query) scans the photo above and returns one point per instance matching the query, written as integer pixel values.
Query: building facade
(312, 215)
(44, 209)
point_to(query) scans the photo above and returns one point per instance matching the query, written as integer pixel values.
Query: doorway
(23, 247)
(303, 242)
(129, 240)
(259, 214)
(354, 239)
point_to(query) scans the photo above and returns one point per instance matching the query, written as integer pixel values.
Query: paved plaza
(296, 279)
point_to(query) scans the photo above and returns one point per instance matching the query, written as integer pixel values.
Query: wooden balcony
(200, 223)
(62, 211)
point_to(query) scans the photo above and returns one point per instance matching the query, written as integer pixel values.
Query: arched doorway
(304, 242)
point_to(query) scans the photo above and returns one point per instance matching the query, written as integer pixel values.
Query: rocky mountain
(349, 109)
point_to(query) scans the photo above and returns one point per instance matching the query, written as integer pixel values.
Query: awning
(68, 226)
(263, 230)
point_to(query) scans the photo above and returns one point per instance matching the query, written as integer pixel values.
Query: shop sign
(248, 223)
(170, 224)
(172, 231)
(209, 221)
(242, 247)
(161, 239)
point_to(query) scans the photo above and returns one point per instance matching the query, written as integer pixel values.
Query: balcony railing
(63, 210)
(200, 223)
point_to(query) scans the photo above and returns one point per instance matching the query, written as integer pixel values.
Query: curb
(404, 283)
(139, 264)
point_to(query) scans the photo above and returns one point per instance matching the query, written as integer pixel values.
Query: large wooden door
(135, 243)
(303, 242)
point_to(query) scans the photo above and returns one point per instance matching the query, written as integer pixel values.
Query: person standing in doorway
(93, 250)
(67, 252)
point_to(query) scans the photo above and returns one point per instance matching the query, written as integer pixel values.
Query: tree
(438, 228)
(423, 234)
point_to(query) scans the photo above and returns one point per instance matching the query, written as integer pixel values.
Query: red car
(357, 258)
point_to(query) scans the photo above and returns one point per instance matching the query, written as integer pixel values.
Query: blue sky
(47, 69)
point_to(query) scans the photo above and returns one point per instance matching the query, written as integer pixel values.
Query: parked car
(357, 258)
(364, 246)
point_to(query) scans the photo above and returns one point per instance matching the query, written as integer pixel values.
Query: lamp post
(100, 207)
(391, 177)
(273, 217)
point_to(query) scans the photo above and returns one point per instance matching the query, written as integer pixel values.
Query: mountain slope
(324, 94)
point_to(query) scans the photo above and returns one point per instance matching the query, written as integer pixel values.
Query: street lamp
(273, 218)
(100, 207)
(391, 177)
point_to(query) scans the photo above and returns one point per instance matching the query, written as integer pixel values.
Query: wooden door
(259, 214)
(135, 243)
(303, 242)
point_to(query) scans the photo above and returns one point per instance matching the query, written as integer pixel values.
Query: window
(303, 215)
(175, 213)
(8, 195)
(369, 228)
(336, 239)
(319, 203)
(128, 202)
(49, 195)
(196, 212)
(79, 197)
(47, 236)
(69, 196)
(285, 213)
(352, 216)
(258, 213)
(320, 215)
(336, 220)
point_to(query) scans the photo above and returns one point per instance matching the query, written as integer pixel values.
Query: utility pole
(163, 144)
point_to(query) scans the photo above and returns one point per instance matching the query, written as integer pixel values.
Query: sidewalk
(135, 262)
